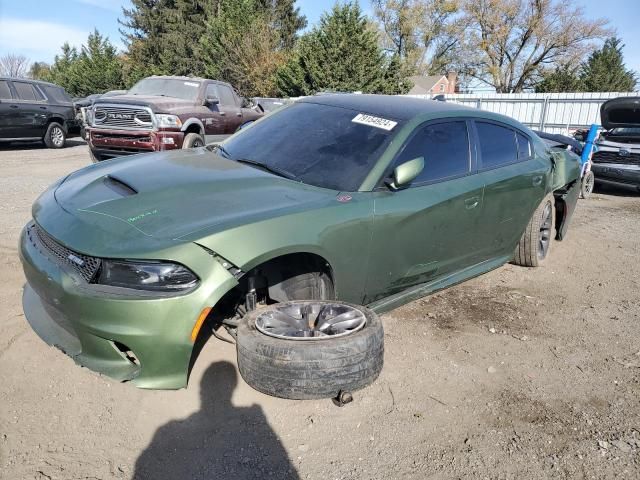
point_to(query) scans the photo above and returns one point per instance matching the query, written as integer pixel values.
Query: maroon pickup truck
(165, 113)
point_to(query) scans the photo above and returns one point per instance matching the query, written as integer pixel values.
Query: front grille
(603, 156)
(85, 265)
(121, 117)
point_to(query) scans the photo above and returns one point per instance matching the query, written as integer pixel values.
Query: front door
(230, 107)
(427, 230)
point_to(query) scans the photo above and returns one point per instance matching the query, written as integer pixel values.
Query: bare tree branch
(16, 66)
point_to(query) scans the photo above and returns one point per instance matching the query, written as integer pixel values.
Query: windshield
(167, 87)
(316, 144)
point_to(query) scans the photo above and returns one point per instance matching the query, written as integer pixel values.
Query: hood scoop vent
(119, 186)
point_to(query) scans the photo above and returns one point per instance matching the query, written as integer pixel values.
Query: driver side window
(445, 148)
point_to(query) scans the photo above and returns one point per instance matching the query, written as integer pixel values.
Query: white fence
(551, 112)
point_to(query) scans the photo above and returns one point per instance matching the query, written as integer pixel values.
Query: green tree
(39, 70)
(605, 71)
(340, 54)
(95, 69)
(563, 78)
(247, 41)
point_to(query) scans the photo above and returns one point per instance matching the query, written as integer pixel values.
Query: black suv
(34, 110)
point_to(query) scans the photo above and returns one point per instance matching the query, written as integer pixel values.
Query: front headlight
(146, 275)
(168, 121)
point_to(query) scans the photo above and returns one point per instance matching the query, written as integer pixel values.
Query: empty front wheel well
(193, 128)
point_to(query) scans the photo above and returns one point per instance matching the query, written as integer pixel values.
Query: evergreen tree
(605, 70)
(96, 69)
(564, 78)
(340, 54)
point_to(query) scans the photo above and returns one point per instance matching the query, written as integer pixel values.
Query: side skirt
(419, 291)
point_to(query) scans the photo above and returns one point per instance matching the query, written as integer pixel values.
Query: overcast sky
(37, 28)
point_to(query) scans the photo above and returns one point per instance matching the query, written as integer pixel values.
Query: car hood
(620, 112)
(158, 104)
(178, 194)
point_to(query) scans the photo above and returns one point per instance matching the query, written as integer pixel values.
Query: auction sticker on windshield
(191, 84)
(372, 121)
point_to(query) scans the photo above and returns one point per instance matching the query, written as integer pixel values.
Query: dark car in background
(31, 110)
(617, 159)
(166, 113)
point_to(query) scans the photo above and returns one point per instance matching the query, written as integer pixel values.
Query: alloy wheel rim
(310, 321)
(57, 137)
(545, 232)
(589, 183)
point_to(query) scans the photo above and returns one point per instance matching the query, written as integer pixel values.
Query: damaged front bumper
(127, 335)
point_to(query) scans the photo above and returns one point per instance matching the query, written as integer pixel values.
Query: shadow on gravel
(71, 142)
(220, 441)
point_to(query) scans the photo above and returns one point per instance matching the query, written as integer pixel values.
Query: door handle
(471, 203)
(238, 114)
(537, 180)
(13, 106)
(43, 108)
(222, 113)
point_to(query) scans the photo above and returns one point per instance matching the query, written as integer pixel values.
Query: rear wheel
(55, 136)
(193, 140)
(534, 245)
(587, 184)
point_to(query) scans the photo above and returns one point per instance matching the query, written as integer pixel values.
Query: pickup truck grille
(603, 156)
(121, 117)
(85, 265)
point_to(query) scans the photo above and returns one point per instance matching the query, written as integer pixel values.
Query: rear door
(515, 184)
(8, 111)
(32, 111)
(427, 230)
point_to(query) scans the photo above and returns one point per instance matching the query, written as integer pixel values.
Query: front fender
(566, 202)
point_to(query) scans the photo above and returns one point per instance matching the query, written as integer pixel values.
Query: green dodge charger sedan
(373, 200)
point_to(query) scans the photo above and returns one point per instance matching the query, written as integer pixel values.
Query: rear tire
(312, 368)
(533, 248)
(193, 140)
(55, 136)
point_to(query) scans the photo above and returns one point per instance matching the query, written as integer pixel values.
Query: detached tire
(55, 136)
(534, 245)
(193, 140)
(309, 368)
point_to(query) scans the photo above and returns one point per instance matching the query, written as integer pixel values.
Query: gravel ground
(521, 373)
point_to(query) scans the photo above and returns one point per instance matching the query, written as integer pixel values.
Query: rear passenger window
(26, 91)
(5, 93)
(445, 148)
(497, 145)
(57, 94)
(524, 148)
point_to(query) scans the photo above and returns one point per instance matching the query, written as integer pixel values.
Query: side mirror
(403, 174)
(211, 100)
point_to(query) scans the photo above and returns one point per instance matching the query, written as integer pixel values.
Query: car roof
(196, 79)
(390, 106)
(29, 80)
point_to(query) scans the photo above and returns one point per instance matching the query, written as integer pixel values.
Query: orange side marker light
(199, 322)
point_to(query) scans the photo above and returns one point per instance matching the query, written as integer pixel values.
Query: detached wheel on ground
(536, 240)
(587, 184)
(310, 349)
(55, 137)
(193, 140)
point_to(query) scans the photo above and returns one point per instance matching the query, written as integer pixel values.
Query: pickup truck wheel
(193, 140)
(533, 247)
(310, 349)
(55, 137)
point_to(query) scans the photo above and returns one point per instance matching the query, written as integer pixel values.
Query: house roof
(423, 84)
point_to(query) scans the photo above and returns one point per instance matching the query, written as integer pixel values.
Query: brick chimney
(452, 78)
